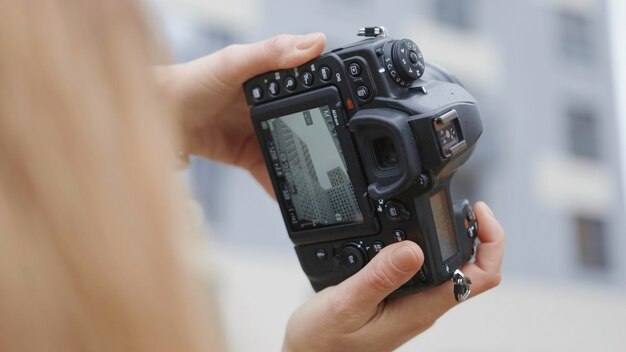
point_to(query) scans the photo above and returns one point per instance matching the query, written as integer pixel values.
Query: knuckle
(231, 50)
(494, 280)
(276, 48)
(425, 324)
(379, 278)
(276, 44)
(226, 55)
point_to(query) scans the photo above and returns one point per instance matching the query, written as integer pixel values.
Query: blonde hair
(90, 219)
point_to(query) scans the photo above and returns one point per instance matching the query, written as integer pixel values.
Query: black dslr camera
(361, 145)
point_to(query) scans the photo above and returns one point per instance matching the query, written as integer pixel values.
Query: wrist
(169, 84)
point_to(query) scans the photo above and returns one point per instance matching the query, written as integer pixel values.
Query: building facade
(342, 197)
(309, 198)
(312, 201)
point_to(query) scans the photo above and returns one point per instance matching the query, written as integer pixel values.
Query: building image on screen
(314, 169)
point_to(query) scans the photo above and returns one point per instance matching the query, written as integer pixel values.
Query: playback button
(355, 69)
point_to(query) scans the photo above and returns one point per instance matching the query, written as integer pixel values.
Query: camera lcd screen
(443, 224)
(310, 169)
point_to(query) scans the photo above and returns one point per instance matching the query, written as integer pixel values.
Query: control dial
(403, 61)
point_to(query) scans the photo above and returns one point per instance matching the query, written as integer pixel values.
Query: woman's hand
(353, 315)
(214, 116)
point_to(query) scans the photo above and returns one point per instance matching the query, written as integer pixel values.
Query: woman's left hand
(214, 116)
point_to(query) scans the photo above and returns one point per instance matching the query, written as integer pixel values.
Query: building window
(575, 37)
(583, 134)
(592, 243)
(455, 13)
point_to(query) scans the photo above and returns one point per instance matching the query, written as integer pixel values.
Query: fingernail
(306, 41)
(404, 258)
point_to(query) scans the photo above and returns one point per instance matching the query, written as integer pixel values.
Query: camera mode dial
(403, 61)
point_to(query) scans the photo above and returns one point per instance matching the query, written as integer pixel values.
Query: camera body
(361, 145)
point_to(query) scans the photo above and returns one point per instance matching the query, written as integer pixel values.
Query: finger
(413, 314)
(239, 63)
(485, 271)
(391, 268)
(422, 310)
(490, 251)
(259, 171)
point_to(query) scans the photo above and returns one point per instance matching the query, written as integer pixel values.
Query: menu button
(325, 73)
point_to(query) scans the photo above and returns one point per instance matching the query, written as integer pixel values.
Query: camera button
(421, 275)
(321, 254)
(375, 248)
(290, 83)
(471, 231)
(307, 78)
(325, 74)
(396, 211)
(257, 92)
(355, 69)
(471, 216)
(273, 88)
(399, 235)
(351, 258)
(362, 92)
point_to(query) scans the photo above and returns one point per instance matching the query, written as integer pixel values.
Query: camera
(361, 145)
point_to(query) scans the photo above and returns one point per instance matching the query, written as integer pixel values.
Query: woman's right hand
(353, 316)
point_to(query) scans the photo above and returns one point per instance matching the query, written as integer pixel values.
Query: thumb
(242, 62)
(389, 270)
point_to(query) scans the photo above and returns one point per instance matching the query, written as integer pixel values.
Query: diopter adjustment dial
(403, 61)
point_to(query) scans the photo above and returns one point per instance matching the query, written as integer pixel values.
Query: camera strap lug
(462, 284)
(378, 31)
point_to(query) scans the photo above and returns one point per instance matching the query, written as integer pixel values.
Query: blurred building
(309, 199)
(549, 159)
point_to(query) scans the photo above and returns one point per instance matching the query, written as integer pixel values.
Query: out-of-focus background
(550, 163)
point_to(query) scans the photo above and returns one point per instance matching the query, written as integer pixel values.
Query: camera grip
(397, 124)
